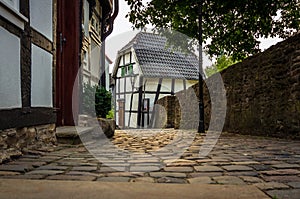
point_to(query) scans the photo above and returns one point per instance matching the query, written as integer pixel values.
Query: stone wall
(15, 142)
(165, 114)
(262, 92)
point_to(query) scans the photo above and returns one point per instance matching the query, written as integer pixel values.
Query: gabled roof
(156, 60)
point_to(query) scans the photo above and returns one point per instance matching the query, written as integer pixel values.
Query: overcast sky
(123, 33)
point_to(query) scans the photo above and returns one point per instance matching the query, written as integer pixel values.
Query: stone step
(13, 189)
(70, 134)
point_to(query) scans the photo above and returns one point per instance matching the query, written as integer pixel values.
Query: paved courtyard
(170, 156)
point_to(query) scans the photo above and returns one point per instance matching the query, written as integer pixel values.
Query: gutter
(108, 22)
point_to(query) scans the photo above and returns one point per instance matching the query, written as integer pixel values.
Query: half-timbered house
(40, 56)
(146, 70)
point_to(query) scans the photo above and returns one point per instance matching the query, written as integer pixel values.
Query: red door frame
(67, 63)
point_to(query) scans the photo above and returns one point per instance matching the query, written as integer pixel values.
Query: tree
(221, 63)
(232, 26)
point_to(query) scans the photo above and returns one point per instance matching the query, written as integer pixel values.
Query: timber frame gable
(144, 72)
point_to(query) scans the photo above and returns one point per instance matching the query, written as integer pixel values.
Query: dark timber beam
(155, 100)
(140, 101)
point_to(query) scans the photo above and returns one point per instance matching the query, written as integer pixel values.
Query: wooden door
(121, 113)
(67, 65)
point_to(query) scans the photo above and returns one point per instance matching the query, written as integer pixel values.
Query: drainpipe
(107, 28)
(108, 22)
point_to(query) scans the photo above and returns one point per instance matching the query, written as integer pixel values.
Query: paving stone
(144, 160)
(178, 169)
(52, 167)
(295, 185)
(219, 163)
(272, 162)
(88, 164)
(204, 161)
(242, 173)
(44, 172)
(144, 168)
(28, 160)
(109, 169)
(200, 180)
(9, 173)
(237, 168)
(271, 185)
(261, 167)
(30, 156)
(205, 168)
(167, 174)
(285, 194)
(251, 179)
(180, 162)
(281, 172)
(25, 177)
(33, 164)
(171, 180)
(18, 168)
(71, 177)
(282, 178)
(228, 180)
(124, 174)
(245, 163)
(285, 166)
(83, 173)
(217, 159)
(49, 159)
(143, 179)
(68, 163)
(85, 168)
(114, 179)
(207, 174)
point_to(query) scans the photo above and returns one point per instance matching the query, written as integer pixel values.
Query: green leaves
(96, 100)
(221, 63)
(232, 26)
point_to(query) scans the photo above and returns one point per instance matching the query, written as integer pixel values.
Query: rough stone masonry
(263, 95)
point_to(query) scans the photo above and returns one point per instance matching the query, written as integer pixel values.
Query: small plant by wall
(97, 100)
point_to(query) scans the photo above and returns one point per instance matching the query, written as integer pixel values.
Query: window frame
(12, 13)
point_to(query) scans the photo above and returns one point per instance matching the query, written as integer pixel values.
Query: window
(130, 69)
(123, 73)
(13, 3)
(9, 9)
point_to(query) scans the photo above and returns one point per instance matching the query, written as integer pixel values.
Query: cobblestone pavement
(272, 165)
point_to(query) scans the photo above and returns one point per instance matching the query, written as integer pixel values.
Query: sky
(123, 33)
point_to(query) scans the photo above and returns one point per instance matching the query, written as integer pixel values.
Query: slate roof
(156, 60)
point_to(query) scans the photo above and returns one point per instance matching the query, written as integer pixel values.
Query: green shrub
(96, 100)
(110, 114)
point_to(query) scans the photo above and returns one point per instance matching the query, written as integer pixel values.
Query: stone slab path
(169, 156)
(30, 189)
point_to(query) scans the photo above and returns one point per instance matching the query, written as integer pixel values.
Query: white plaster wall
(41, 78)
(10, 70)
(86, 17)
(41, 17)
(107, 80)
(127, 58)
